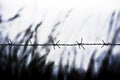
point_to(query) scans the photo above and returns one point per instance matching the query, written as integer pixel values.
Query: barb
(55, 44)
(103, 44)
(107, 44)
(79, 44)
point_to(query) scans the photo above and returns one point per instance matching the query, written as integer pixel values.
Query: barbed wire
(58, 44)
